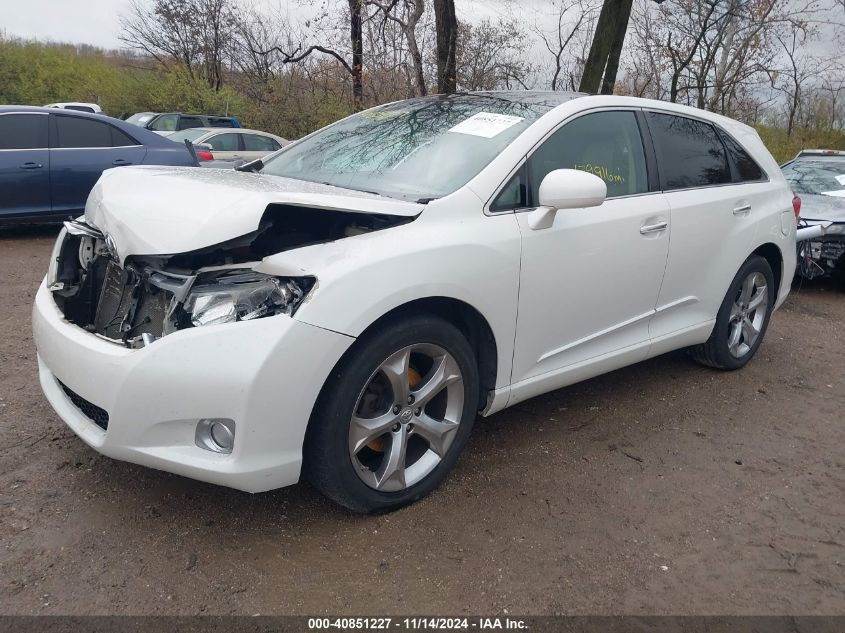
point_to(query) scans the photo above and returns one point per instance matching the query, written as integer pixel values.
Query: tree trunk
(446, 25)
(600, 48)
(357, 53)
(413, 46)
(618, 42)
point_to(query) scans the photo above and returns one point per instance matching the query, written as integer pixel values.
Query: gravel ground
(663, 488)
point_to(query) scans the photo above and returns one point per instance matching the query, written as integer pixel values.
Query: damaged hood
(822, 207)
(167, 210)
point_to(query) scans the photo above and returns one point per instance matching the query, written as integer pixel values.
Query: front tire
(393, 416)
(742, 319)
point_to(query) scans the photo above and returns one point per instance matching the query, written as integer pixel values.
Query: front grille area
(98, 416)
(128, 306)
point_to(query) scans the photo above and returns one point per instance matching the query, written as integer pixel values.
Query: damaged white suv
(345, 308)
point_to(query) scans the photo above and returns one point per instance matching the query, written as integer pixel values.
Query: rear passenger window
(689, 152)
(77, 132)
(23, 131)
(214, 121)
(189, 122)
(607, 144)
(257, 143)
(747, 169)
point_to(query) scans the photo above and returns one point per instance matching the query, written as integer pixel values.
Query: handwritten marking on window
(602, 172)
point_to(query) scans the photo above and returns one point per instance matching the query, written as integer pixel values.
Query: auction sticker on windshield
(486, 124)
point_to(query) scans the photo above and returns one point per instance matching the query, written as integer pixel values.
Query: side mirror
(566, 189)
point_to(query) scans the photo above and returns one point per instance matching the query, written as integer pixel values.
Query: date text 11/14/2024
(416, 623)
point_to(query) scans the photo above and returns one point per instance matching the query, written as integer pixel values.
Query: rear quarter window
(747, 169)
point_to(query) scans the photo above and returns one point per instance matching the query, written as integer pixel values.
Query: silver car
(818, 178)
(230, 143)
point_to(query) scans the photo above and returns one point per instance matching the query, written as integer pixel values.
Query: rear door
(80, 149)
(24, 164)
(713, 221)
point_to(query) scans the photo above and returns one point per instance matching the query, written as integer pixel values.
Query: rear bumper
(263, 374)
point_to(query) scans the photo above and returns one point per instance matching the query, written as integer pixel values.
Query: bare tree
(490, 56)
(294, 54)
(195, 34)
(569, 19)
(407, 14)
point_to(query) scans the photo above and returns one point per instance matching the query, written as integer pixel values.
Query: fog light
(216, 434)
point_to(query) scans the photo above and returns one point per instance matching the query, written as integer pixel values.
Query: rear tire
(742, 319)
(393, 415)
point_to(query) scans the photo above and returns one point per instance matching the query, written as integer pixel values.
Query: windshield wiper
(255, 166)
(331, 184)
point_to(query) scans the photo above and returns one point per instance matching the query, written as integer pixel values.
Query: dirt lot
(661, 488)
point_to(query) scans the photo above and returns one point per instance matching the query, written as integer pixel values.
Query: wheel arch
(472, 324)
(468, 319)
(772, 254)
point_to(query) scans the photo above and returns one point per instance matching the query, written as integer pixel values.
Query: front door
(590, 282)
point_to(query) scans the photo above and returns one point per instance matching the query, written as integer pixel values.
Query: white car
(230, 143)
(78, 106)
(345, 312)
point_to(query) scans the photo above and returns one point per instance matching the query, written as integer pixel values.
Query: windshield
(417, 149)
(825, 176)
(140, 118)
(191, 134)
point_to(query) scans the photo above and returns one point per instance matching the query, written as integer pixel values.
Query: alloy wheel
(748, 313)
(406, 417)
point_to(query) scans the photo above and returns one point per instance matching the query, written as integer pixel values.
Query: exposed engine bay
(150, 296)
(824, 255)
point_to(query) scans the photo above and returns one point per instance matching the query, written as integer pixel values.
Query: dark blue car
(50, 159)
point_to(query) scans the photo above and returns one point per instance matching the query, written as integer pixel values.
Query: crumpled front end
(150, 405)
(822, 252)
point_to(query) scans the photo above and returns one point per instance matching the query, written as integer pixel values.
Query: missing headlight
(229, 296)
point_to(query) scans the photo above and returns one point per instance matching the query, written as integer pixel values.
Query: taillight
(796, 206)
(203, 155)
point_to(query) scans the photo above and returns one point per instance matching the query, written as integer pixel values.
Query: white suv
(345, 307)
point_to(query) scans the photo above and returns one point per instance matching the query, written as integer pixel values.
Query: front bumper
(263, 374)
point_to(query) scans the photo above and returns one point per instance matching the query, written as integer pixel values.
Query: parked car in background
(140, 118)
(224, 144)
(78, 106)
(167, 122)
(345, 308)
(818, 177)
(50, 159)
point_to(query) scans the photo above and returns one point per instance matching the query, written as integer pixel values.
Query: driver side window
(607, 144)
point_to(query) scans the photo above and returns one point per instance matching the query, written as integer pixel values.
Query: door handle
(742, 210)
(31, 165)
(653, 228)
(120, 162)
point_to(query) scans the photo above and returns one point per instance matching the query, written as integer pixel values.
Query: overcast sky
(97, 21)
